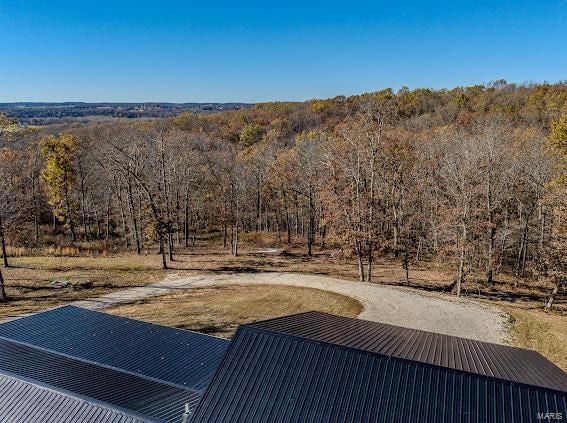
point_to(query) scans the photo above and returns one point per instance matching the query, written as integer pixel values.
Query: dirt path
(394, 305)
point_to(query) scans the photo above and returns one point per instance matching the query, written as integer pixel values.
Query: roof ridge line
(131, 319)
(391, 357)
(80, 397)
(392, 325)
(96, 363)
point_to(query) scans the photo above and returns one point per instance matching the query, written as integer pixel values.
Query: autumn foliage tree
(554, 256)
(58, 176)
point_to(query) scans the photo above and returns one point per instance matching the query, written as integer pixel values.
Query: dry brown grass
(29, 281)
(428, 275)
(219, 310)
(255, 259)
(35, 283)
(540, 331)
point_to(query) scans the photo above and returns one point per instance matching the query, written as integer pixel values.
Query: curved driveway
(388, 304)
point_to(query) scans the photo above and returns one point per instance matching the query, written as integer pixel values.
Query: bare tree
(356, 204)
(459, 179)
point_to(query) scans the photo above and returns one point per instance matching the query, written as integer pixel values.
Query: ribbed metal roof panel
(173, 355)
(273, 377)
(501, 361)
(157, 400)
(21, 401)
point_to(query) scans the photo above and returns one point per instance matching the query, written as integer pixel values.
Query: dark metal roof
(274, 377)
(22, 401)
(173, 355)
(148, 397)
(501, 361)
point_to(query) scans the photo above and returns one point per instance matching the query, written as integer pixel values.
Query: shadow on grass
(218, 329)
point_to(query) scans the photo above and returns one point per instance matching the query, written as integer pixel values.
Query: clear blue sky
(185, 51)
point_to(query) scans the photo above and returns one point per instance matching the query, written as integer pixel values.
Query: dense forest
(474, 177)
(56, 113)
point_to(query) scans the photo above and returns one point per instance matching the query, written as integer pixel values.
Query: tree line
(473, 176)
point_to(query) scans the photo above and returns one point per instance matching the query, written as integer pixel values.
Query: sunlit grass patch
(219, 310)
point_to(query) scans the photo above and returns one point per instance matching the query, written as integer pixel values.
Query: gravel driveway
(387, 304)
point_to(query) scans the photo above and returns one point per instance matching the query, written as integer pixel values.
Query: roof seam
(96, 363)
(82, 398)
(389, 357)
(322, 313)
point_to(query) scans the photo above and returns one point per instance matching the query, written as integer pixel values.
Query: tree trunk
(522, 253)
(98, 230)
(323, 236)
(370, 262)
(463, 243)
(36, 229)
(287, 220)
(3, 242)
(554, 293)
(524, 239)
(35, 212)
(83, 203)
(3, 296)
(69, 218)
(406, 263)
(170, 249)
(84, 217)
(107, 235)
(359, 260)
(395, 231)
(178, 216)
(234, 249)
(311, 225)
(542, 225)
(141, 221)
(503, 241)
(491, 242)
(296, 220)
(278, 230)
(123, 216)
(224, 233)
(258, 206)
(461, 274)
(461, 271)
(134, 219)
(186, 220)
(162, 251)
(491, 226)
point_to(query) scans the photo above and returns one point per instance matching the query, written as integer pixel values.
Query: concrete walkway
(395, 305)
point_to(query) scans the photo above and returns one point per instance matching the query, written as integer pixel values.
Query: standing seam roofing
(500, 361)
(144, 396)
(22, 401)
(185, 358)
(272, 377)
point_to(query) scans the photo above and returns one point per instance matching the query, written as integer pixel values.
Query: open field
(35, 283)
(260, 255)
(219, 310)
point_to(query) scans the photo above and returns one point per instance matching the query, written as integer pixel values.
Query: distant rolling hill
(48, 113)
